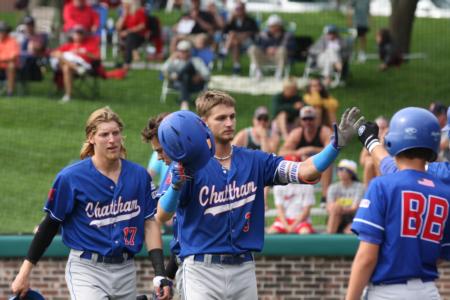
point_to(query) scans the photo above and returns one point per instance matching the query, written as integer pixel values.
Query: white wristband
(372, 145)
(157, 281)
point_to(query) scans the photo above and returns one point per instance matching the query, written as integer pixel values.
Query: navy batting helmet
(413, 127)
(31, 295)
(185, 138)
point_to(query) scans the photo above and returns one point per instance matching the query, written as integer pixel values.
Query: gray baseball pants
(89, 280)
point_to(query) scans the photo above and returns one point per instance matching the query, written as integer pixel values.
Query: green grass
(39, 136)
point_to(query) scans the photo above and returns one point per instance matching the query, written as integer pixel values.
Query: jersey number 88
(423, 217)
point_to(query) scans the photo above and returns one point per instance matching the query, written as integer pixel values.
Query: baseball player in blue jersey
(150, 135)
(402, 222)
(220, 211)
(368, 135)
(105, 206)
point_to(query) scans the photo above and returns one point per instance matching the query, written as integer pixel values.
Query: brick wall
(279, 278)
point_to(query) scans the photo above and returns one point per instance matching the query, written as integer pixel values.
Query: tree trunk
(401, 23)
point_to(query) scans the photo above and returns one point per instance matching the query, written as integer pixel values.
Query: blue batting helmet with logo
(447, 127)
(413, 127)
(31, 295)
(185, 138)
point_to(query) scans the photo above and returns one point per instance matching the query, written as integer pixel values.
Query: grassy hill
(39, 136)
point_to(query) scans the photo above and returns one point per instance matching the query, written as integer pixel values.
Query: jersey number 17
(422, 216)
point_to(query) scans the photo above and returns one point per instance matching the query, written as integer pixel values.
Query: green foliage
(40, 136)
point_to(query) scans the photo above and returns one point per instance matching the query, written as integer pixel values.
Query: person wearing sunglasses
(258, 136)
(307, 140)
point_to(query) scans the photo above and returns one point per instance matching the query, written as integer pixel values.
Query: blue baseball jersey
(406, 214)
(164, 185)
(99, 215)
(222, 211)
(440, 170)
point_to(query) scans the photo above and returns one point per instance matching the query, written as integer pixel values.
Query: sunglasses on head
(263, 118)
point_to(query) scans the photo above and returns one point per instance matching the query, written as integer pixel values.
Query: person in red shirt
(78, 12)
(75, 58)
(132, 28)
(9, 56)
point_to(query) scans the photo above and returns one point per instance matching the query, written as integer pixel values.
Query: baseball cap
(274, 20)
(350, 166)
(28, 20)
(307, 112)
(261, 111)
(184, 45)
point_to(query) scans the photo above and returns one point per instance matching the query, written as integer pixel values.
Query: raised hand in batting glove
(350, 121)
(368, 135)
(179, 176)
(163, 288)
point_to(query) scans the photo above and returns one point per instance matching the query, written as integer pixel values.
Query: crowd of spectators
(223, 30)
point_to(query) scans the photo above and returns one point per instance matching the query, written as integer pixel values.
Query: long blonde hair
(101, 115)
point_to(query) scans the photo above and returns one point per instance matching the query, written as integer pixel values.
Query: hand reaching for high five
(368, 135)
(350, 122)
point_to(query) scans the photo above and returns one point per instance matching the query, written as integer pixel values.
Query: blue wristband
(169, 200)
(325, 158)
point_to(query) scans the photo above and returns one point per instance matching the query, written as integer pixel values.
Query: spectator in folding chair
(240, 32)
(132, 29)
(33, 51)
(186, 73)
(286, 108)
(78, 12)
(9, 57)
(75, 58)
(271, 46)
(331, 52)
